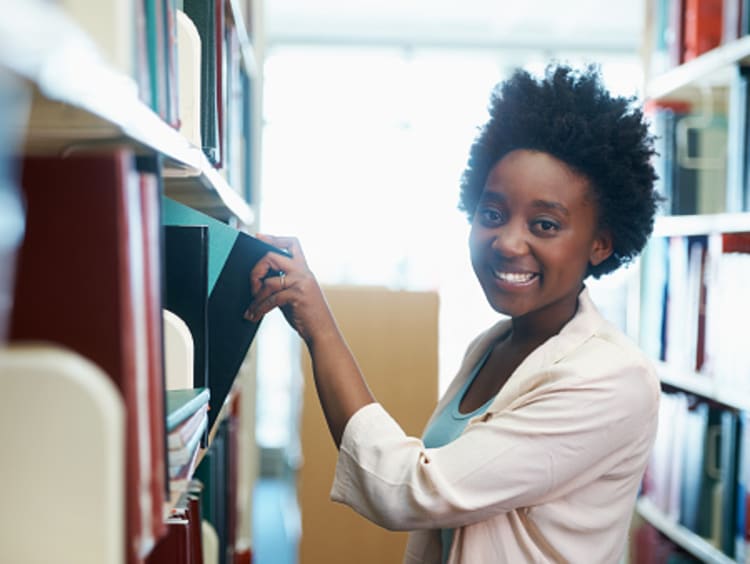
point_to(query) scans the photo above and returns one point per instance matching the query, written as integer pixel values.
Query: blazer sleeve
(581, 422)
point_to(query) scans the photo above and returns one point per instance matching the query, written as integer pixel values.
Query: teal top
(447, 426)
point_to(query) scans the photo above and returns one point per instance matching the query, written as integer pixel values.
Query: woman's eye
(546, 226)
(490, 216)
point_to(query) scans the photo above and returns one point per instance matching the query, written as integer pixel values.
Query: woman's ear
(601, 249)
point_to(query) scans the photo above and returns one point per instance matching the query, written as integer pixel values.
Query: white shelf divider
(712, 68)
(703, 385)
(673, 225)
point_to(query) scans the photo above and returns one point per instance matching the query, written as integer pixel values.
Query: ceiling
(539, 24)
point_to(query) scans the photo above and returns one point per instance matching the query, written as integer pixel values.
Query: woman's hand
(295, 291)
(340, 385)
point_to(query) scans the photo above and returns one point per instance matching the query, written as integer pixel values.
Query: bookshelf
(102, 145)
(701, 451)
(79, 101)
(680, 535)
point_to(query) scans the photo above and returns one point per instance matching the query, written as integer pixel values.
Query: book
(692, 464)
(87, 235)
(232, 254)
(653, 297)
(181, 404)
(149, 177)
(203, 15)
(738, 148)
(156, 44)
(174, 547)
(703, 27)
(728, 478)
(180, 456)
(182, 476)
(180, 436)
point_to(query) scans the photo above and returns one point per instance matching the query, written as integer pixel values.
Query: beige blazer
(549, 473)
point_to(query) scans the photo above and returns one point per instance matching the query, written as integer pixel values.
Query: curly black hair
(570, 115)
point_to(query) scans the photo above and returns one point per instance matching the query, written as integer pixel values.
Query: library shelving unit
(128, 154)
(713, 82)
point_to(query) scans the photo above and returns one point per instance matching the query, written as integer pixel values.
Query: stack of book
(186, 424)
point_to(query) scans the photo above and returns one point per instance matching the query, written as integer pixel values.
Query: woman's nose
(510, 240)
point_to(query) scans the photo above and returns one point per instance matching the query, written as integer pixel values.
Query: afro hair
(570, 115)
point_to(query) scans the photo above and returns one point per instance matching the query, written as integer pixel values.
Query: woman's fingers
(274, 275)
(267, 287)
(274, 262)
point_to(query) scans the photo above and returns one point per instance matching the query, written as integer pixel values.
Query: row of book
(98, 265)
(201, 526)
(186, 428)
(699, 471)
(694, 297)
(691, 157)
(188, 63)
(684, 29)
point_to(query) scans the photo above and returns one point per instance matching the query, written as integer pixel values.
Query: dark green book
(203, 15)
(232, 254)
(181, 404)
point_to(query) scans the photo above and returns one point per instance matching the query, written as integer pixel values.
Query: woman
(536, 451)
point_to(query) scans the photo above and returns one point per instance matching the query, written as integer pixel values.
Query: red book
(152, 245)
(80, 283)
(174, 547)
(704, 26)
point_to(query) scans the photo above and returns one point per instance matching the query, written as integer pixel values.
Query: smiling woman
(534, 234)
(536, 451)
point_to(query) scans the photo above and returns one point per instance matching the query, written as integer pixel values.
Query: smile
(515, 278)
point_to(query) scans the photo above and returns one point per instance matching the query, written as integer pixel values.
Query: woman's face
(533, 235)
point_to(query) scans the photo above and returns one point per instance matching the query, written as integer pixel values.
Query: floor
(276, 522)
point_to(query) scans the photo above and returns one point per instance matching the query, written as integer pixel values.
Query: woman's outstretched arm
(341, 388)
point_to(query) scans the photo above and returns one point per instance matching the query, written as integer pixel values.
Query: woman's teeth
(514, 277)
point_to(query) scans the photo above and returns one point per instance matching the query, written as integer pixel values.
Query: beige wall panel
(394, 336)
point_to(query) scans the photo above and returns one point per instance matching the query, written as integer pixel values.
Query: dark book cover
(232, 254)
(186, 288)
(203, 15)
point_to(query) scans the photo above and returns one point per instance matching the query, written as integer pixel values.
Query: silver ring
(282, 275)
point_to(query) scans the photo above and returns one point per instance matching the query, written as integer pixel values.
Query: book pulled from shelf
(230, 256)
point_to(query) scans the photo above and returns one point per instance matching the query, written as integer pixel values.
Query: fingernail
(249, 315)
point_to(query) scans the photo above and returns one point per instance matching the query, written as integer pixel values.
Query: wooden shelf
(712, 69)
(79, 102)
(704, 386)
(674, 225)
(694, 544)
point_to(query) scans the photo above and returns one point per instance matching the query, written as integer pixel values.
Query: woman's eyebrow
(549, 205)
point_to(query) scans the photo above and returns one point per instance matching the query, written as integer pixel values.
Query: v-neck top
(447, 426)
(450, 422)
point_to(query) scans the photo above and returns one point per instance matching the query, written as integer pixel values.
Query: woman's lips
(515, 279)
